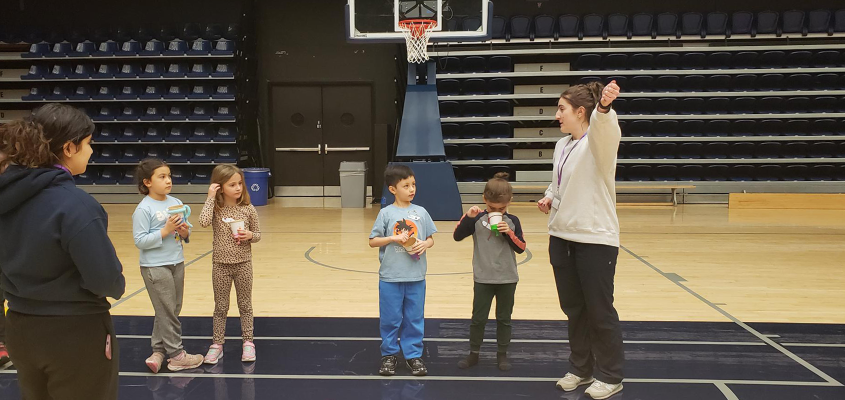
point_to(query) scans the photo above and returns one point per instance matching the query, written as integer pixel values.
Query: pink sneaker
(154, 362)
(249, 352)
(215, 352)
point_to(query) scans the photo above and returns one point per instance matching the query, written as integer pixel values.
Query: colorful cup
(493, 219)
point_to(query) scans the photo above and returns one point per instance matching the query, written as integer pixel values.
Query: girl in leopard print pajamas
(228, 200)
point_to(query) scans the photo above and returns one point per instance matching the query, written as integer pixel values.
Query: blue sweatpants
(401, 310)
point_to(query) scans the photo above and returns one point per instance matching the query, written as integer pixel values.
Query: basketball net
(417, 32)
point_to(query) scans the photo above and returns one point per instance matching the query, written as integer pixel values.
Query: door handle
(326, 147)
(301, 149)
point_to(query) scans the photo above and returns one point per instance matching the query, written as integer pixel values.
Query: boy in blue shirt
(402, 232)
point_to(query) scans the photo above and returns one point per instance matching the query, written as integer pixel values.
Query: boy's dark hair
(145, 170)
(395, 173)
(498, 189)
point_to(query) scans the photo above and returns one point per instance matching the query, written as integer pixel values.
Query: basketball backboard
(457, 20)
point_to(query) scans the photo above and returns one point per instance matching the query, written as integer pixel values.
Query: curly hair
(38, 140)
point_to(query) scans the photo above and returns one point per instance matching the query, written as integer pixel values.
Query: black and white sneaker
(417, 367)
(388, 366)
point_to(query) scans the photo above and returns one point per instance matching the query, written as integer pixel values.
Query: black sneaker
(417, 367)
(502, 361)
(388, 366)
(471, 360)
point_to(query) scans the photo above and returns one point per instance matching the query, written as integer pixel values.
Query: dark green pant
(481, 303)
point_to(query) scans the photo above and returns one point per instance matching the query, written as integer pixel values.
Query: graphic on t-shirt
(405, 225)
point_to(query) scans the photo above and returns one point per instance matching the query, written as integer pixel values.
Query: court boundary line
(463, 378)
(677, 280)
(528, 257)
(729, 394)
(124, 298)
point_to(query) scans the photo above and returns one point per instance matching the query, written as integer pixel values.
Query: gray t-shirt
(493, 257)
(396, 264)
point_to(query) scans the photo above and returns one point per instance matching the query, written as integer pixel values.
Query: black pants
(63, 357)
(584, 277)
(481, 302)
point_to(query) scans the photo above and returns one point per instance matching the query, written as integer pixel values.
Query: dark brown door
(296, 114)
(347, 129)
(315, 128)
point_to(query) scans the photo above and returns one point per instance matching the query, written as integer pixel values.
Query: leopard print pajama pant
(222, 276)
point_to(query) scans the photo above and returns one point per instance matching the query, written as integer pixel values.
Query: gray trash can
(353, 185)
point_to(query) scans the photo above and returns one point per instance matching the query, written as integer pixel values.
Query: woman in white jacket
(584, 230)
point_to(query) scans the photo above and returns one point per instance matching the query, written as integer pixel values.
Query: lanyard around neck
(560, 168)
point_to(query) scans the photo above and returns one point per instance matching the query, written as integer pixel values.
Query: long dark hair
(37, 141)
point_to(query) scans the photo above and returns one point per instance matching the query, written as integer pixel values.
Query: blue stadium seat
(224, 92)
(743, 105)
(839, 21)
(129, 134)
(176, 92)
(226, 134)
(200, 113)
(37, 50)
(768, 173)
(128, 48)
(106, 113)
(693, 60)
(199, 47)
(639, 128)
(793, 22)
(663, 173)
(690, 150)
(745, 59)
(104, 71)
(641, 83)
(717, 24)
(642, 25)
(473, 108)
(770, 105)
(153, 134)
(203, 154)
(822, 172)
(106, 154)
(588, 62)
(151, 71)
(795, 172)
(109, 176)
(499, 130)
(796, 104)
(450, 130)
(569, 26)
(35, 72)
(176, 70)
(797, 59)
(617, 25)
(178, 133)
(715, 173)
(822, 150)
(741, 23)
(83, 49)
(718, 60)
(224, 113)
(770, 82)
(129, 113)
(615, 61)
(154, 113)
(200, 92)
(666, 61)
(60, 49)
(130, 154)
(473, 64)
(718, 83)
(520, 27)
(721, 127)
(452, 151)
(223, 71)
(664, 150)
(227, 154)
(175, 47)
(499, 151)
(667, 25)
(500, 64)
(152, 48)
(741, 150)
(715, 150)
(797, 81)
(106, 49)
(57, 72)
(744, 82)
(742, 172)
(450, 109)
(86, 178)
(593, 26)
(202, 176)
(825, 58)
(692, 128)
(223, 47)
(639, 173)
(128, 92)
(471, 24)
(499, 27)
(469, 86)
(199, 70)
(202, 133)
(692, 24)
(82, 92)
(449, 65)
(499, 108)
(666, 105)
(473, 173)
(544, 26)
(81, 71)
(767, 23)
(473, 152)
(152, 92)
(177, 113)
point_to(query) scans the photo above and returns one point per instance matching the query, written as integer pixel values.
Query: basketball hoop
(417, 33)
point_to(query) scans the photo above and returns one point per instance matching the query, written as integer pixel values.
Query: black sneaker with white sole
(388, 366)
(417, 367)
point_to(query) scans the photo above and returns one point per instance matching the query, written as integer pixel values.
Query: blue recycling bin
(257, 181)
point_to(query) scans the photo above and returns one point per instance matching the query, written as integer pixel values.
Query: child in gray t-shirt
(496, 237)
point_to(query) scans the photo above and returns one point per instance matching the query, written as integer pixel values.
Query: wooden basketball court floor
(715, 303)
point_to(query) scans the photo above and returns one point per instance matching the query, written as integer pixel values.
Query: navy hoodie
(55, 254)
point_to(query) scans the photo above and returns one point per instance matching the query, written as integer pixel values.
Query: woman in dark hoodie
(57, 263)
